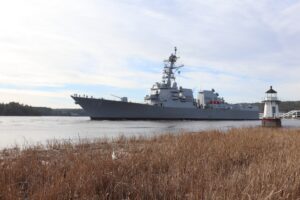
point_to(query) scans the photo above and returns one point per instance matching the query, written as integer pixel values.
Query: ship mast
(168, 71)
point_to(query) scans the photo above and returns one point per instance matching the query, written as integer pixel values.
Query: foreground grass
(252, 163)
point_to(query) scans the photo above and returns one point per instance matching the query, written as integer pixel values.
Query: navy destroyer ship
(168, 101)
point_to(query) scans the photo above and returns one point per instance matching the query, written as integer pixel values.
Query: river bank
(248, 163)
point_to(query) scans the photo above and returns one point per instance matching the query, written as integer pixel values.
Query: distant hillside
(17, 109)
(284, 106)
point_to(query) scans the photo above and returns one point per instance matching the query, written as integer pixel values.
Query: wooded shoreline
(17, 109)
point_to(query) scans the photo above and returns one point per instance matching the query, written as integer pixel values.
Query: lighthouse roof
(271, 91)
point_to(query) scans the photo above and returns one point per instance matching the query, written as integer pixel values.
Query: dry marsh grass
(251, 163)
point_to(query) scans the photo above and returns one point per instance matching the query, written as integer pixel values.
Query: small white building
(271, 116)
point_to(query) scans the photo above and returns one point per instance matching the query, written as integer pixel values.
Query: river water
(31, 130)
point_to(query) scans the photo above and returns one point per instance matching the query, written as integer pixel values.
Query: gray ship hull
(102, 109)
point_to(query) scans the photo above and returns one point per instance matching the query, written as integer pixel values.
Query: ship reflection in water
(30, 130)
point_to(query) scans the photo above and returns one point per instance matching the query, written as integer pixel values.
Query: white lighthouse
(271, 116)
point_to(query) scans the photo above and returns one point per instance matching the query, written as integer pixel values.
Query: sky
(52, 49)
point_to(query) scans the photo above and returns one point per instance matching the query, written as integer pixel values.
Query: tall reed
(249, 163)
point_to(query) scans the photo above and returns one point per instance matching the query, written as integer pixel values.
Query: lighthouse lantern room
(271, 116)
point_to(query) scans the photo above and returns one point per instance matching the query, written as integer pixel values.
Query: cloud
(237, 47)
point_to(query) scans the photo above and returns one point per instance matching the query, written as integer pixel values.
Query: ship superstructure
(167, 93)
(167, 100)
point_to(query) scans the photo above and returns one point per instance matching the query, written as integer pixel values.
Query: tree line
(17, 109)
(284, 106)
